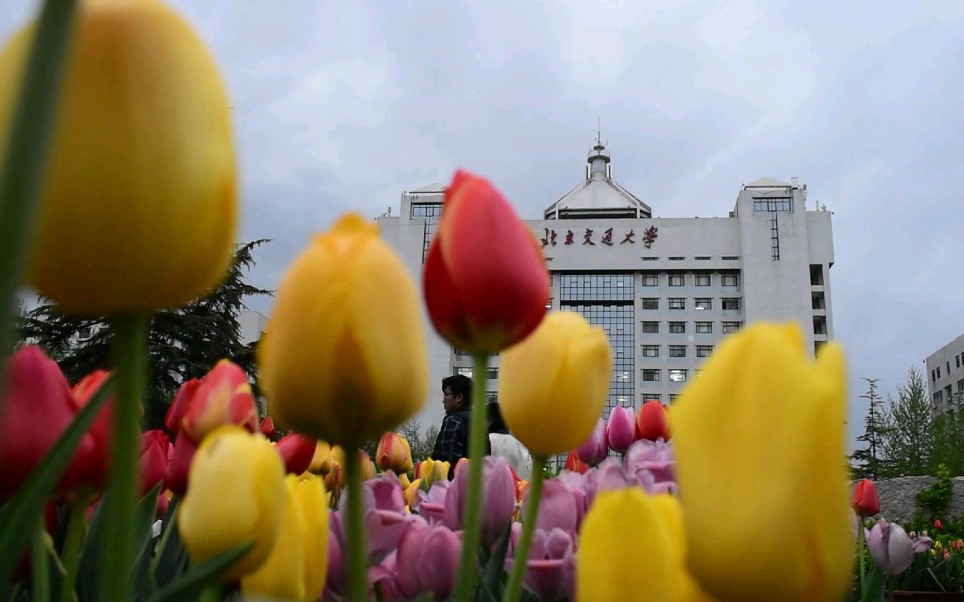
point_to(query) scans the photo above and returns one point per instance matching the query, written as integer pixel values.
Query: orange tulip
(223, 397)
(485, 281)
(652, 422)
(574, 464)
(393, 453)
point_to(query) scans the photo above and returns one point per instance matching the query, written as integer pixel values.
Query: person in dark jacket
(452, 442)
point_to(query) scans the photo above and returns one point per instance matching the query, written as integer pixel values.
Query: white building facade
(945, 377)
(666, 290)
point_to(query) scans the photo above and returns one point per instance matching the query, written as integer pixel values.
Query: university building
(945, 377)
(666, 290)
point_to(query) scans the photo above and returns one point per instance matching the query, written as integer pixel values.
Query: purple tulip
(557, 508)
(427, 560)
(337, 578)
(890, 546)
(621, 430)
(384, 576)
(652, 465)
(608, 475)
(596, 447)
(575, 483)
(431, 505)
(551, 567)
(498, 505)
(384, 515)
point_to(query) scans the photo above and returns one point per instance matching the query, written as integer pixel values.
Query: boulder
(898, 497)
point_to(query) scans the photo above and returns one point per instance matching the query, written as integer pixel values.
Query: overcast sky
(344, 105)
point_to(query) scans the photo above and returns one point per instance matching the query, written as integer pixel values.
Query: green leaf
(144, 520)
(192, 583)
(874, 586)
(170, 557)
(493, 577)
(19, 516)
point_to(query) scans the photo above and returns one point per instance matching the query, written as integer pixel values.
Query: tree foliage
(184, 343)
(907, 441)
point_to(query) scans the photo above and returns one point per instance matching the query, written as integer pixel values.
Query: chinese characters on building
(606, 237)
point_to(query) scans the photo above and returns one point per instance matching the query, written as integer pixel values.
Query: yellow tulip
(622, 527)
(298, 563)
(321, 461)
(553, 385)
(138, 209)
(430, 470)
(394, 453)
(344, 355)
(226, 507)
(776, 520)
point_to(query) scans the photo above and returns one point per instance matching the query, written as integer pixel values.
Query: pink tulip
(427, 560)
(551, 567)
(499, 503)
(557, 508)
(621, 430)
(595, 449)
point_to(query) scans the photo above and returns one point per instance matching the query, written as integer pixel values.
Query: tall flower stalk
(519, 567)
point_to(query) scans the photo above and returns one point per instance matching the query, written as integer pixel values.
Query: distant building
(945, 377)
(666, 290)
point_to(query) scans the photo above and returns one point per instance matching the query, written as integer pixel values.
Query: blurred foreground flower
(138, 209)
(763, 407)
(485, 283)
(343, 358)
(553, 385)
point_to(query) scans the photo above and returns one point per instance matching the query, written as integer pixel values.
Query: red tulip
(179, 464)
(102, 428)
(574, 464)
(296, 451)
(485, 281)
(37, 407)
(937, 524)
(155, 448)
(652, 422)
(179, 405)
(864, 499)
(223, 397)
(267, 427)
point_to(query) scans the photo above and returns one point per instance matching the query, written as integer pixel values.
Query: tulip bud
(296, 451)
(155, 447)
(574, 464)
(102, 429)
(429, 471)
(595, 449)
(485, 283)
(36, 409)
(179, 406)
(553, 385)
(267, 427)
(864, 500)
(652, 422)
(393, 453)
(499, 500)
(138, 206)
(321, 460)
(937, 524)
(223, 397)
(344, 357)
(225, 507)
(890, 546)
(621, 429)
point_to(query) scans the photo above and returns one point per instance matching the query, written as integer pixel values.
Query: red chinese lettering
(587, 239)
(649, 236)
(629, 238)
(607, 238)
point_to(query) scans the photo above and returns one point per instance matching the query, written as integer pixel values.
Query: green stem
(120, 500)
(357, 555)
(168, 527)
(472, 514)
(21, 175)
(73, 544)
(521, 562)
(861, 545)
(40, 568)
(211, 593)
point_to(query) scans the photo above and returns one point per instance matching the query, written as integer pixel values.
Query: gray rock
(898, 497)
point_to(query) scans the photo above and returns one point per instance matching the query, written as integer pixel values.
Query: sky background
(344, 105)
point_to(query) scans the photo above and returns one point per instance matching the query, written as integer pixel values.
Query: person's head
(456, 393)
(496, 422)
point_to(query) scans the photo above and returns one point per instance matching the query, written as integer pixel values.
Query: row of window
(658, 397)
(948, 392)
(773, 205)
(677, 350)
(676, 375)
(426, 209)
(706, 303)
(491, 373)
(652, 327)
(699, 279)
(936, 373)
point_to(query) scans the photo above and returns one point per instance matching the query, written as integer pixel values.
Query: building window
(938, 397)
(704, 328)
(703, 258)
(492, 373)
(730, 327)
(673, 396)
(820, 325)
(933, 376)
(650, 375)
(650, 303)
(703, 303)
(426, 209)
(774, 205)
(677, 327)
(650, 280)
(817, 300)
(491, 396)
(816, 274)
(704, 350)
(85, 332)
(677, 350)
(650, 327)
(652, 397)
(938, 372)
(949, 392)
(677, 279)
(731, 304)
(703, 280)
(595, 287)
(464, 371)
(960, 387)
(650, 350)
(957, 359)
(677, 375)
(730, 279)
(677, 303)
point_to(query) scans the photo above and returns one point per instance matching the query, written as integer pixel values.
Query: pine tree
(866, 463)
(907, 437)
(184, 343)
